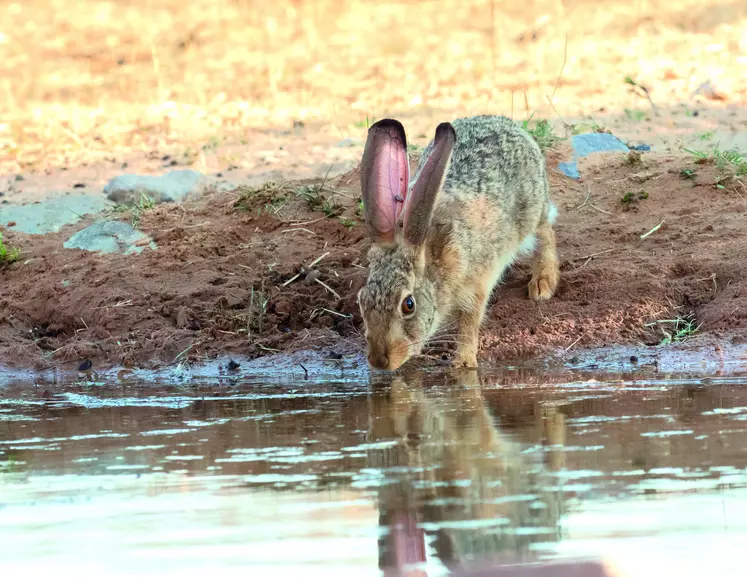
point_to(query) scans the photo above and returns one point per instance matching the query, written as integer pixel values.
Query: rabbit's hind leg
(545, 268)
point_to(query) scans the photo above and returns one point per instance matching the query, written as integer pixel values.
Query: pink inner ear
(387, 180)
(400, 176)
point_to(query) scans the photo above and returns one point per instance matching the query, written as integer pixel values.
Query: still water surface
(346, 477)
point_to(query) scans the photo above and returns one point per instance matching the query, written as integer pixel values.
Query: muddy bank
(257, 271)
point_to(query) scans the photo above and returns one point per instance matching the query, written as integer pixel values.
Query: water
(345, 477)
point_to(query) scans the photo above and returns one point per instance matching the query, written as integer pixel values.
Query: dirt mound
(257, 271)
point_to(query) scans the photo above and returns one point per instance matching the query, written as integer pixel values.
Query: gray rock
(589, 143)
(175, 186)
(110, 237)
(51, 215)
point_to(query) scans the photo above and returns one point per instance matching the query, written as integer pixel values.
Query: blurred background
(83, 80)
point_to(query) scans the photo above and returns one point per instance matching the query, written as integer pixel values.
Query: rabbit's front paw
(465, 361)
(542, 288)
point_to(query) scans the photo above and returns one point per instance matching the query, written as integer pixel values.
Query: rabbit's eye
(408, 305)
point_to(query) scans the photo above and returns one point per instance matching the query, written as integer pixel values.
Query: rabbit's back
(494, 156)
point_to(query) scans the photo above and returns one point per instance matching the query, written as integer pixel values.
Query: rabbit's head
(398, 302)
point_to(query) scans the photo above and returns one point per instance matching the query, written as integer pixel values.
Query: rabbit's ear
(385, 172)
(424, 192)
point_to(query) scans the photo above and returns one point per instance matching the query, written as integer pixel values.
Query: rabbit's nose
(378, 361)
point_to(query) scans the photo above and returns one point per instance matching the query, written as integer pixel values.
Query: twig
(308, 221)
(290, 280)
(572, 344)
(645, 91)
(712, 277)
(188, 226)
(126, 303)
(588, 256)
(566, 126)
(526, 105)
(264, 348)
(653, 230)
(330, 289)
(565, 59)
(588, 194)
(600, 210)
(740, 183)
(73, 136)
(341, 315)
(305, 371)
(183, 352)
(587, 261)
(297, 229)
(318, 260)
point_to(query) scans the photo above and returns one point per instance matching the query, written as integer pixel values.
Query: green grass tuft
(633, 197)
(635, 115)
(136, 210)
(687, 173)
(8, 255)
(676, 330)
(268, 198)
(317, 201)
(731, 164)
(542, 133)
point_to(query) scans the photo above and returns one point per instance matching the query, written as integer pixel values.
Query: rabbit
(480, 199)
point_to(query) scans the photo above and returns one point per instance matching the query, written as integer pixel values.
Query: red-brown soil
(224, 278)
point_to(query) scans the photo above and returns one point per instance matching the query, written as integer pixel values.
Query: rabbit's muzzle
(379, 361)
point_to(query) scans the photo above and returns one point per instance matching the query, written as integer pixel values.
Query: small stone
(234, 302)
(233, 365)
(52, 215)
(181, 318)
(633, 359)
(570, 169)
(175, 186)
(708, 91)
(85, 365)
(110, 237)
(639, 147)
(311, 276)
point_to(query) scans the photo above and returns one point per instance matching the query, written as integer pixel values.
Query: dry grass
(84, 80)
